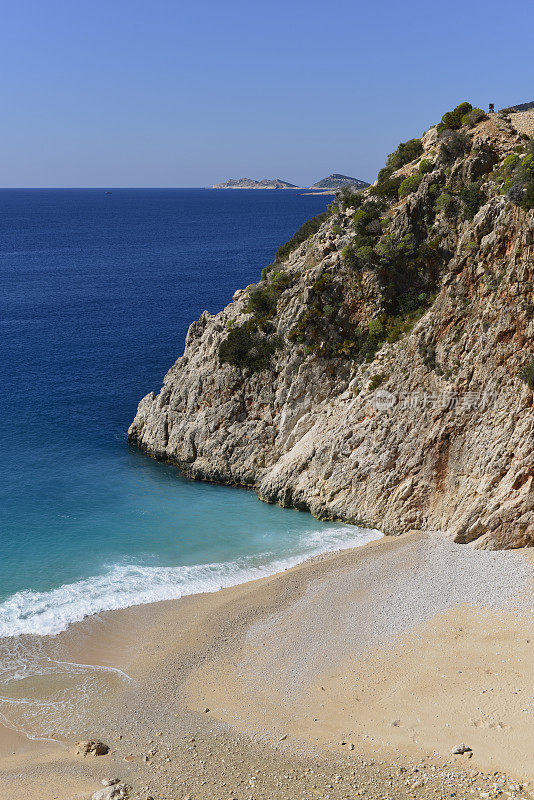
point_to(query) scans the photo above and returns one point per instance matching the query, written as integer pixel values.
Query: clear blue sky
(159, 93)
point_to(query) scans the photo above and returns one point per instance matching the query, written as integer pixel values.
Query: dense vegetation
(527, 374)
(252, 344)
(407, 270)
(404, 266)
(409, 185)
(519, 177)
(248, 349)
(463, 115)
(388, 186)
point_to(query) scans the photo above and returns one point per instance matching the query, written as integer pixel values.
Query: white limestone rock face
(434, 431)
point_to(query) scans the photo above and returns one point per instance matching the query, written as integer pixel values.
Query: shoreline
(246, 653)
(77, 632)
(62, 605)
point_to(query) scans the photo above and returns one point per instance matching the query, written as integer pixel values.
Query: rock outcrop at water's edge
(382, 372)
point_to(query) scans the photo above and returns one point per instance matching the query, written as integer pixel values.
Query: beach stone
(118, 791)
(91, 747)
(460, 749)
(110, 781)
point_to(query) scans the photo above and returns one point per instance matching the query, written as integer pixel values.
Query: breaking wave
(121, 586)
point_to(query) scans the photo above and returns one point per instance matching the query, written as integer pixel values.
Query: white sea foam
(43, 696)
(49, 613)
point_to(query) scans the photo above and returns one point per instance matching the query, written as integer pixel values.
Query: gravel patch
(382, 598)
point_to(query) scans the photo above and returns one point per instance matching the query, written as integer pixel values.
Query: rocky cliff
(382, 370)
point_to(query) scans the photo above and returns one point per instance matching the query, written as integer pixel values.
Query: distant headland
(334, 181)
(337, 181)
(249, 183)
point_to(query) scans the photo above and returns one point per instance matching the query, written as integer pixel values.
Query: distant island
(523, 106)
(337, 181)
(248, 183)
(334, 181)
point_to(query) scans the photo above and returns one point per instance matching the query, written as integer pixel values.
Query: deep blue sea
(97, 291)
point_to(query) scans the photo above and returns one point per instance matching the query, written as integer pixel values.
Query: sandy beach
(354, 674)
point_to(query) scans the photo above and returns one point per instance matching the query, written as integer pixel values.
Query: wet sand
(356, 672)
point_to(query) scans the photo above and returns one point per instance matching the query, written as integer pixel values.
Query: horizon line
(118, 188)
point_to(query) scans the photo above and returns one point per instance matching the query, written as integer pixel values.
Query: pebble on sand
(91, 747)
(460, 749)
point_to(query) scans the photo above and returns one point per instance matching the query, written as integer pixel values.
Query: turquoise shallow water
(97, 294)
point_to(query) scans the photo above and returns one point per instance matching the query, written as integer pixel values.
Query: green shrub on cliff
(452, 120)
(453, 145)
(425, 165)
(510, 163)
(365, 255)
(247, 349)
(405, 152)
(348, 197)
(473, 117)
(409, 185)
(388, 187)
(350, 258)
(367, 225)
(323, 283)
(519, 184)
(393, 250)
(261, 302)
(527, 374)
(306, 230)
(376, 328)
(472, 198)
(527, 201)
(263, 298)
(447, 204)
(281, 281)
(384, 174)
(376, 381)
(408, 270)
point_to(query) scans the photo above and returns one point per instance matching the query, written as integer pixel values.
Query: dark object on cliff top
(337, 181)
